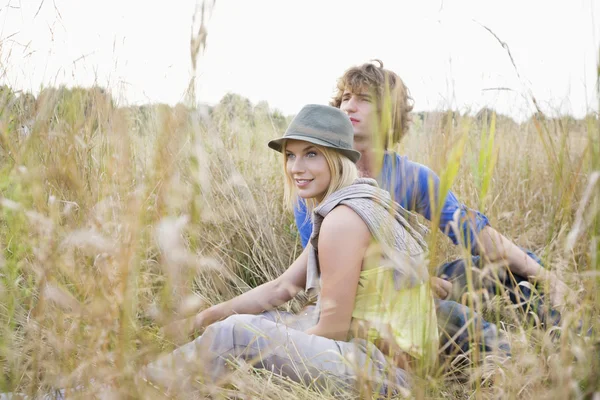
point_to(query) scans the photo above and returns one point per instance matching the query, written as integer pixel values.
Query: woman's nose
(297, 166)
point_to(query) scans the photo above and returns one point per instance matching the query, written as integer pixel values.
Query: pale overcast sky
(290, 53)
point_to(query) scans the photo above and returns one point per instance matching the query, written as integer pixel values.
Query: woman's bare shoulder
(343, 223)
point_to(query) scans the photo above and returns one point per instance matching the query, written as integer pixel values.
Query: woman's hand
(201, 321)
(184, 330)
(178, 331)
(441, 288)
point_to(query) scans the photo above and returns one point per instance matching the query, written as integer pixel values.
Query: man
(378, 105)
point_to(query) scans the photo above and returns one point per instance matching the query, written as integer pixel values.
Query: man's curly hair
(393, 100)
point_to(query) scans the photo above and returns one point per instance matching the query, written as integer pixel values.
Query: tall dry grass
(117, 220)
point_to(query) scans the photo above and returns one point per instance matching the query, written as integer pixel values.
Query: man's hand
(560, 294)
(499, 248)
(441, 288)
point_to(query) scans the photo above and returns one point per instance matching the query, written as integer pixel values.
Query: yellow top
(407, 314)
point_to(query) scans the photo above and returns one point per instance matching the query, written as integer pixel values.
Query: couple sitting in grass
(378, 316)
(379, 319)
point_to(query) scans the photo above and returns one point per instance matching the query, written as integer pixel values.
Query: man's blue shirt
(409, 182)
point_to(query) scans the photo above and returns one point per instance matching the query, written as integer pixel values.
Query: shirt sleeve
(460, 223)
(303, 222)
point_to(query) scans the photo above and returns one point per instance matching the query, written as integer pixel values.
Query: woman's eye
(289, 156)
(311, 154)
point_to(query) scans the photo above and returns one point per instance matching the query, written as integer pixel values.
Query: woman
(374, 317)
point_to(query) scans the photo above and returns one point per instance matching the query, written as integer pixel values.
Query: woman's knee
(233, 333)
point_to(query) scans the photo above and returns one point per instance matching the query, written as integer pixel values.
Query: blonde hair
(393, 99)
(343, 173)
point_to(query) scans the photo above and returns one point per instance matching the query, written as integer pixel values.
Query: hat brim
(277, 144)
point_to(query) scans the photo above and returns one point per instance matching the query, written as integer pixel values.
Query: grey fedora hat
(322, 125)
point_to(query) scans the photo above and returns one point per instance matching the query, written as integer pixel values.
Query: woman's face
(308, 168)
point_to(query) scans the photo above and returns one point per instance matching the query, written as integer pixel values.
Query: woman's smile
(302, 183)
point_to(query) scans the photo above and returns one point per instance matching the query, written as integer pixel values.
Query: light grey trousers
(276, 341)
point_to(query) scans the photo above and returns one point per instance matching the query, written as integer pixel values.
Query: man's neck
(370, 164)
(364, 165)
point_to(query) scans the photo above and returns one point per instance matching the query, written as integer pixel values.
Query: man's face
(361, 109)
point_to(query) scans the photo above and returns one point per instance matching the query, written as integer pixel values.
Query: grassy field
(118, 220)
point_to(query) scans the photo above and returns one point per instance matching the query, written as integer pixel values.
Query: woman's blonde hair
(343, 173)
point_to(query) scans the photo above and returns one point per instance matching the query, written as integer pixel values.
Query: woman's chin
(309, 195)
(305, 196)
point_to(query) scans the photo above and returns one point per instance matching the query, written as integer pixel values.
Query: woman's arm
(266, 296)
(262, 298)
(343, 242)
